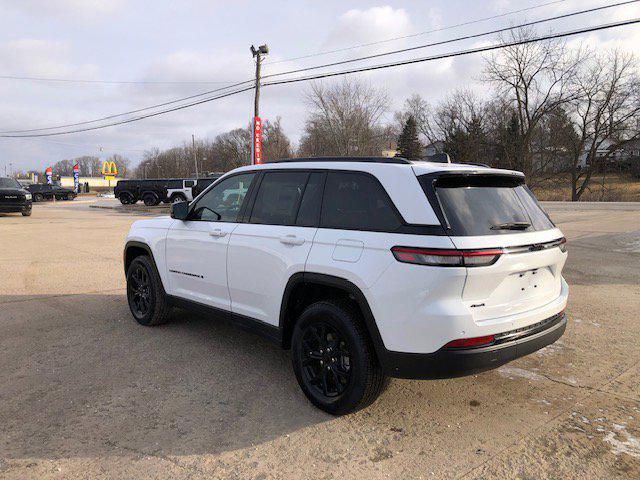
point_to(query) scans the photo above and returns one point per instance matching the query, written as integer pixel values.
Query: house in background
(434, 148)
(627, 151)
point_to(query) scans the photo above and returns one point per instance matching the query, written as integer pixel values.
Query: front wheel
(334, 360)
(26, 213)
(147, 300)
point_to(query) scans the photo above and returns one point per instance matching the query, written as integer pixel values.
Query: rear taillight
(471, 342)
(447, 258)
(563, 245)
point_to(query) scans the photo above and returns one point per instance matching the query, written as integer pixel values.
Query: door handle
(217, 233)
(291, 240)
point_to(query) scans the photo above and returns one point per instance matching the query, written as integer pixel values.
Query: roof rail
(394, 160)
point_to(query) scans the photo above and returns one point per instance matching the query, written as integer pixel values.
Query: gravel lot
(87, 393)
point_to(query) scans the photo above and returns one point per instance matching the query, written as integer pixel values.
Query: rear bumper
(449, 363)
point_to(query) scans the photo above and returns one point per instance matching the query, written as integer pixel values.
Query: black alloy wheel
(326, 361)
(334, 359)
(37, 197)
(145, 295)
(139, 292)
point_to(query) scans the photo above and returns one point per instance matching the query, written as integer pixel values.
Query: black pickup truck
(166, 190)
(42, 192)
(14, 198)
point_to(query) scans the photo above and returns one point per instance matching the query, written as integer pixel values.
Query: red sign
(257, 141)
(76, 168)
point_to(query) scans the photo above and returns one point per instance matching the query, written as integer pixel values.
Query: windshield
(488, 205)
(9, 183)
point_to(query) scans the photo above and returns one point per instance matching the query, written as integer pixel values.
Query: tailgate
(525, 277)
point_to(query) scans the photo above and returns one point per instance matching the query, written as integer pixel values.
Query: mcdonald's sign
(109, 170)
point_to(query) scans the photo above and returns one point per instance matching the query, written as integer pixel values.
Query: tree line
(549, 110)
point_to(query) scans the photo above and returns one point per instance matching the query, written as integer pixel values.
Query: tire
(178, 197)
(69, 197)
(37, 197)
(145, 295)
(126, 199)
(27, 213)
(150, 199)
(355, 378)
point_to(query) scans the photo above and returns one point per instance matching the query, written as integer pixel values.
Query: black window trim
(249, 202)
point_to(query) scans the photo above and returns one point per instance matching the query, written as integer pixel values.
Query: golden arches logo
(110, 169)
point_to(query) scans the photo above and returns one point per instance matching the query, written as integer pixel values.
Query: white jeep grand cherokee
(364, 267)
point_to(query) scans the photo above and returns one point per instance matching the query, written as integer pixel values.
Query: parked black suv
(42, 192)
(14, 198)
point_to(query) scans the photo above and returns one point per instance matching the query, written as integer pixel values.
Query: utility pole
(195, 159)
(256, 141)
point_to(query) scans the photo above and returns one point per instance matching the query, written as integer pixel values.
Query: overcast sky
(208, 41)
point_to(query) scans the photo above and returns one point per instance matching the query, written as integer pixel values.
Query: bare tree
(536, 78)
(345, 119)
(276, 144)
(605, 113)
(422, 112)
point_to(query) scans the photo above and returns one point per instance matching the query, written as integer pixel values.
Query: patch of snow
(630, 446)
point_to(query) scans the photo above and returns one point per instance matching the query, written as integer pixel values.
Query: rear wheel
(178, 197)
(37, 197)
(126, 198)
(69, 197)
(147, 300)
(334, 360)
(150, 199)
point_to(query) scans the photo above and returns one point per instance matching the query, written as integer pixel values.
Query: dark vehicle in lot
(14, 198)
(43, 192)
(166, 190)
(151, 192)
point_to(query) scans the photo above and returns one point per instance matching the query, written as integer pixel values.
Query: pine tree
(408, 144)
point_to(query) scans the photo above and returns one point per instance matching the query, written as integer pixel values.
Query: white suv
(364, 267)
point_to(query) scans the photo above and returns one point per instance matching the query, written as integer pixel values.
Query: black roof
(396, 160)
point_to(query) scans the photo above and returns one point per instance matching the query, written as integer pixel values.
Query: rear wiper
(511, 226)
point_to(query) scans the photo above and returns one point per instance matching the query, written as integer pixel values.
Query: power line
(135, 119)
(458, 39)
(458, 53)
(394, 52)
(403, 37)
(130, 112)
(355, 70)
(114, 82)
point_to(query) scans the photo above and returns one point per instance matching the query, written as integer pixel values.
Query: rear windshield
(487, 205)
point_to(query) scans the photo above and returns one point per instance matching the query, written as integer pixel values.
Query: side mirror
(180, 210)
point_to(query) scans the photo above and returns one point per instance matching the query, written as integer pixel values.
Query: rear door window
(278, 198)
(487, 205)
(357, 201)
